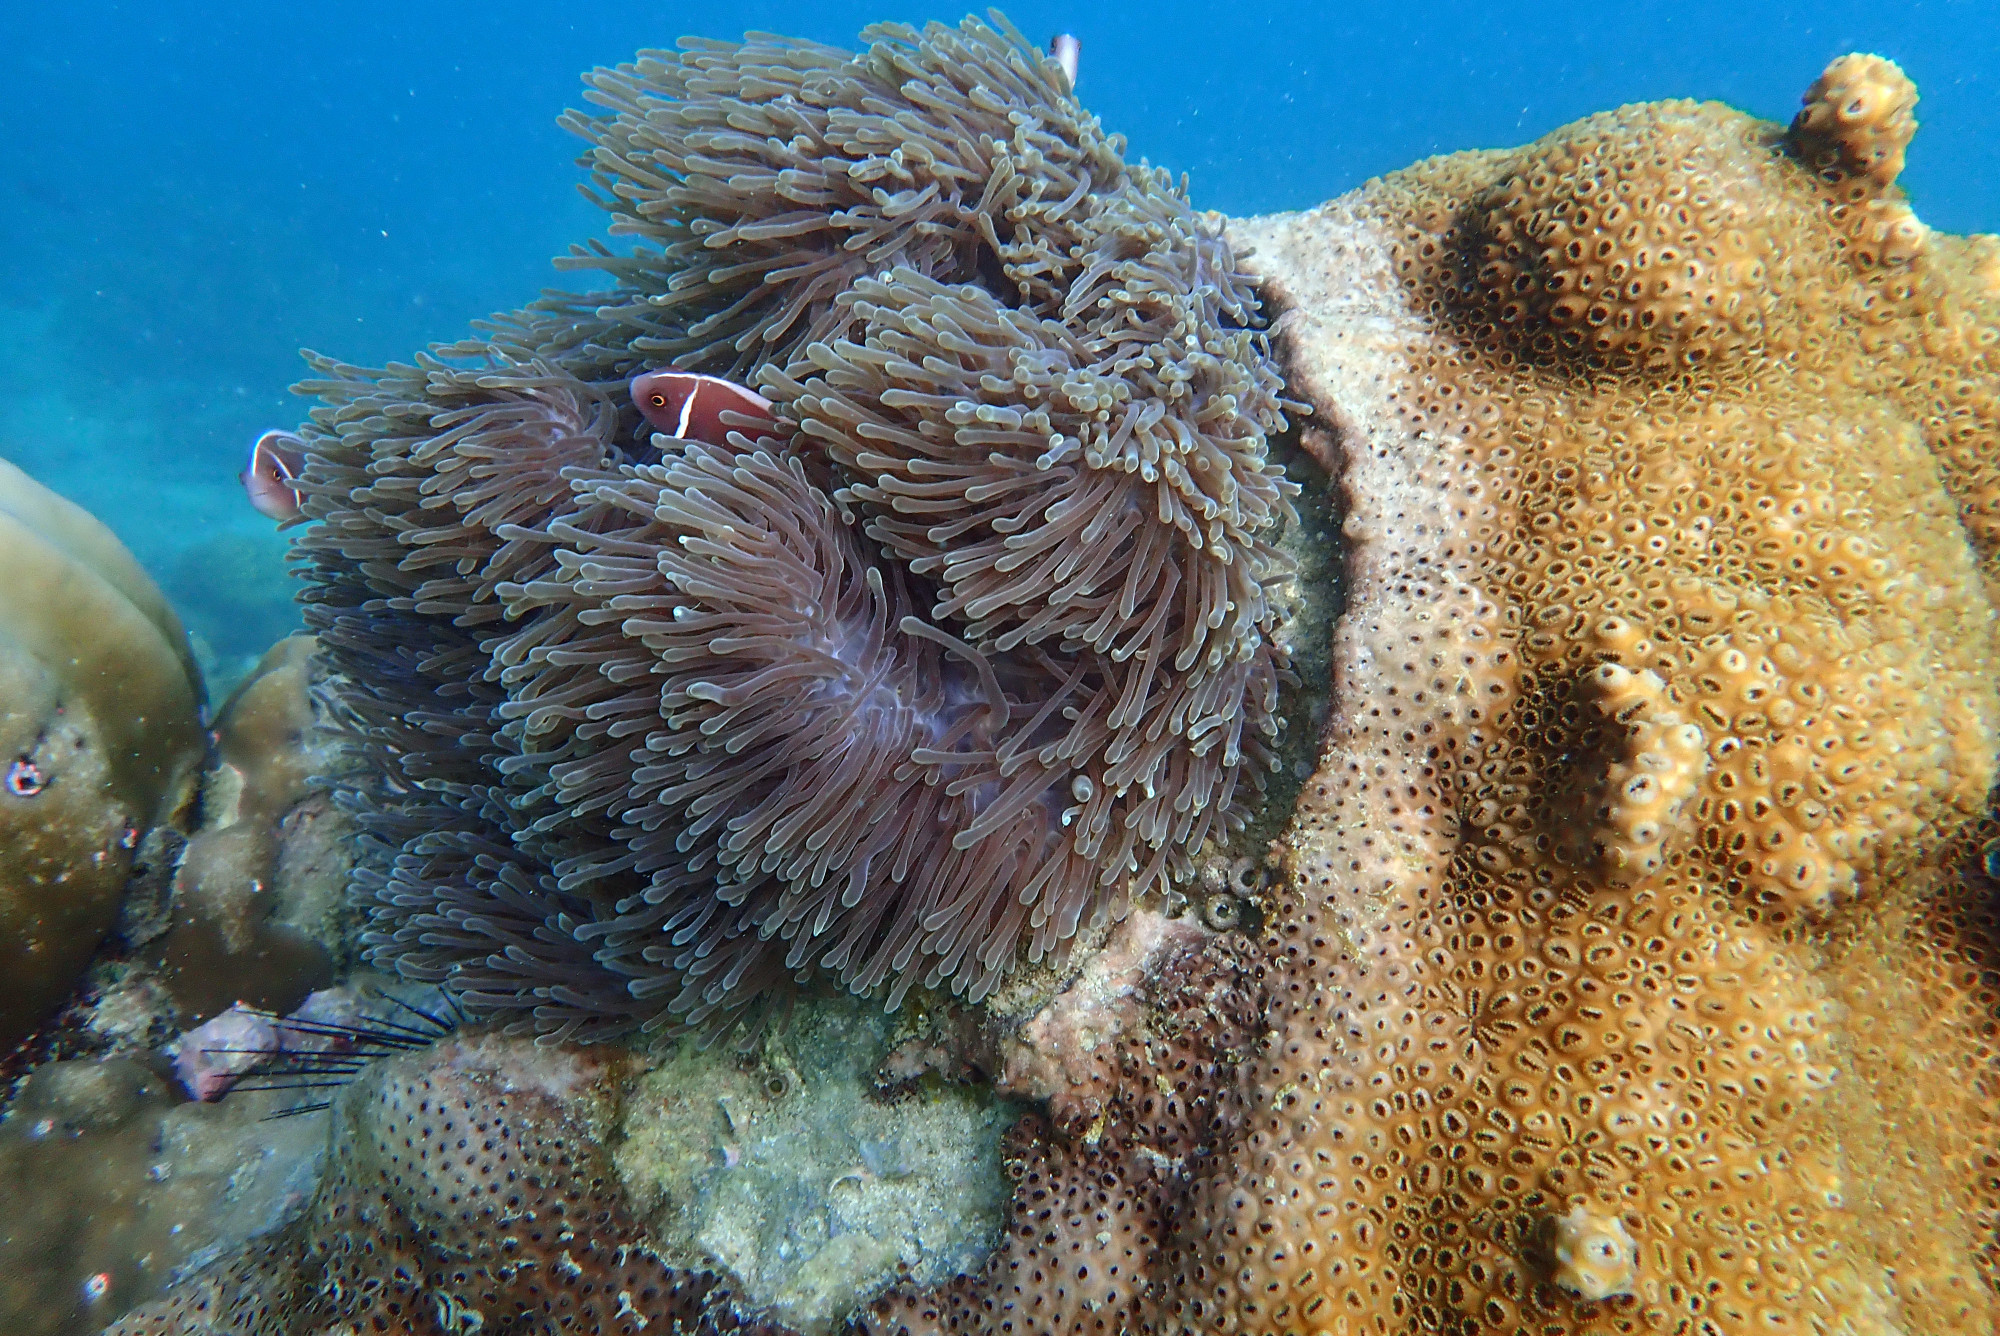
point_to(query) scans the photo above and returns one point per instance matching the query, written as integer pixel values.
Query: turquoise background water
(192, 192)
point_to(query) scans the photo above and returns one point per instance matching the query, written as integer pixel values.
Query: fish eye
(659, 401)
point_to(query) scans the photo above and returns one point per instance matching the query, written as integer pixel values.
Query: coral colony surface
(1635, 966)
(1624, 965)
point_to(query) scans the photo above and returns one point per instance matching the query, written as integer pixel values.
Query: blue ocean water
(189, 193)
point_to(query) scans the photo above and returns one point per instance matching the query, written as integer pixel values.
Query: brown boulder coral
(100, 738)
(1636, 969)
(239, 930)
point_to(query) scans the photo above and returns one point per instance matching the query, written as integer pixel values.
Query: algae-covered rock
(789, 1172)
(100, 736)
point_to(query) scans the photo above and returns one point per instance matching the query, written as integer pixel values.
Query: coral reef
(100, 738)
(1001, 566)
(467, 1189)
(1632, 969)
(1628, 962)
(250, 906)
(1636, 913)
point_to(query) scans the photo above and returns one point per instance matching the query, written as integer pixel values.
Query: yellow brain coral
(1638, 919)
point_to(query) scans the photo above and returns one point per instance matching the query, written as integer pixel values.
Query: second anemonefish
(690, 406)
(276, 460)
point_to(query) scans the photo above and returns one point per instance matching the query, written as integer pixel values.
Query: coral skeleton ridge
(237, 934)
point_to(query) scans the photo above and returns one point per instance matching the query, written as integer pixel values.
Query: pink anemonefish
(690, 406)
(1067, 50)
(276, 459)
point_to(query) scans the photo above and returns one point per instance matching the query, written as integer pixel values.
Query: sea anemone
(1051, 493)
(762, 178)
(787, 752)
(969, 641)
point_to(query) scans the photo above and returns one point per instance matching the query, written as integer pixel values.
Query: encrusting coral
(1639, 896)
(100, 738)
(999, 569)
